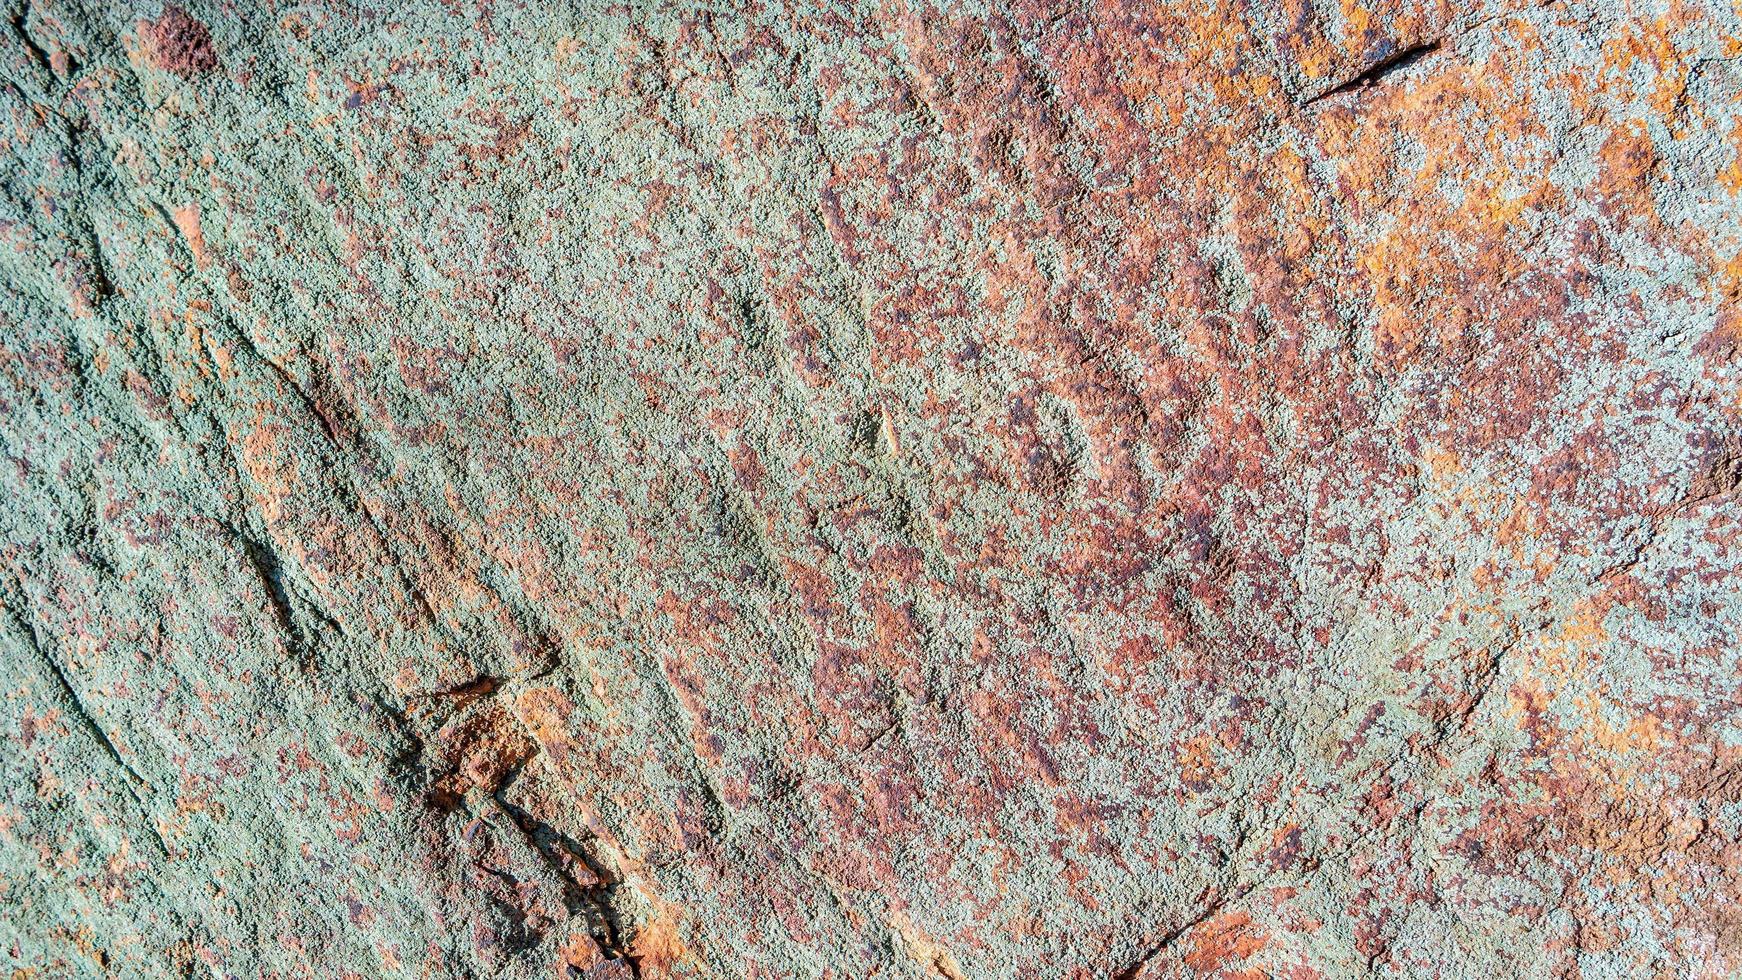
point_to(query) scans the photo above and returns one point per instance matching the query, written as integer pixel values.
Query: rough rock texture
(1062, 490)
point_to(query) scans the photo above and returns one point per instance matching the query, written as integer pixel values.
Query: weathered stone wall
(1062, 490)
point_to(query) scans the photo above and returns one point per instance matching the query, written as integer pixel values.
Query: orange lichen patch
(658, 948)
(1730, 178)
(930, 954)
(1197, 763)
(1632, 829)
(1647, 43)
(187, 221)
(546, 712)
(1222, 940)
(1641, 734)
(269, 466)
(967, 457)
(479, 750)
(579, 953)
(1628, 158)
(1569, 653)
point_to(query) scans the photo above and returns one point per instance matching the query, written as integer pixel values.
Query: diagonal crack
(268, 565)
(1408, 57)
(71, 693)
(1173, 935)
(1379, 71)
(596, 897)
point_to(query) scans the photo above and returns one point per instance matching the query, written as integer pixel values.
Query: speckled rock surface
(1094, 490)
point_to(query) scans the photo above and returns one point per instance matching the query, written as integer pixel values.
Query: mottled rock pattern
(834, 489)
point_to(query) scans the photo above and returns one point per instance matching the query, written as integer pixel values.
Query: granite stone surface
(1095, 490)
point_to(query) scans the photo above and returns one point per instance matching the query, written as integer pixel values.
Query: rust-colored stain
(871, 490)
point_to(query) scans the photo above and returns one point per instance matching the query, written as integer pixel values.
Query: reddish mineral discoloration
(179, 43)
(1127, 490)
